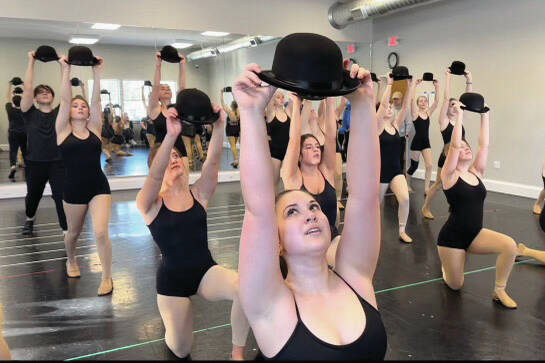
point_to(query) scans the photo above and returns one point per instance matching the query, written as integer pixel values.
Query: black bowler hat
(228, 89)
(46, 53)
(400, 72)
(473, 102)
(17, 90)
(117, 106)
(16, 100)
(310, 65)
(148, 83)
(16, 81)
(75, 81)
(170, 54)
(80, 55)
(374, 77)
(194, 106)
(457, 68)
(428, 77)
(104, 92)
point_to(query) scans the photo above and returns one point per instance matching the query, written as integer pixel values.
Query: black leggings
(37, 174)
(16, 140)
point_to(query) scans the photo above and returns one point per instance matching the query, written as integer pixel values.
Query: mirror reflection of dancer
(306, 167)
(44, 163)
(463, 232)
(175, 214)
(232, 129)
(447, 117)
(316, 313)
(160, 98)
(278, 129)
(16, 130)
(421, 115)
(391, 146)
(86, 188)
(146, 124)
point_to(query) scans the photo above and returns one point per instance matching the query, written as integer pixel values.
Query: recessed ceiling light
(82, 39)
(105, 26)
(181, 45)
(215, 34)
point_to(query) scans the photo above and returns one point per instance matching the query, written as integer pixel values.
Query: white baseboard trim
(521, 190)
(18, 190)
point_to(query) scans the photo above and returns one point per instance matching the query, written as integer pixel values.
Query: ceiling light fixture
(214, 34)
(181, 45)
(105, 26)
(83, 39)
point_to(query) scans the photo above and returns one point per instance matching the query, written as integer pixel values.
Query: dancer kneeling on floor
(463, 232)
(78, 128)
(175, 213)
(315, 313)
(391, 146)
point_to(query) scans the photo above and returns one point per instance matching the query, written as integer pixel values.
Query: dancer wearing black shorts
(16, 129)
(232, 129)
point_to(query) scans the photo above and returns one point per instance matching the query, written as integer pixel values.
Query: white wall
(121, 62)
(501, 42)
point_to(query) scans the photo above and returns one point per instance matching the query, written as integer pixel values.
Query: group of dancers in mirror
(321, 304)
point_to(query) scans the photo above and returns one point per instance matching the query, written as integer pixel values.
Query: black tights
(16, 140)
(37, 175)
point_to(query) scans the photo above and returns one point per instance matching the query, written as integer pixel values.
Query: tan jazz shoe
(427, 214)
(403, 237)
(501, 296)
(72, 270)
(106, 287)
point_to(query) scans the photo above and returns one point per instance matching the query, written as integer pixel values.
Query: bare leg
(151, 140)
(539, 202)
(218, 284)
(431, 193)
(233, 143)
(177, 315)
(491, 242)
(276, 173)
(536, 254)
(75, 216)
(401, 191)
(188, 150)
(426, 153)
(453, 261)
(197, 141)
(99, 207)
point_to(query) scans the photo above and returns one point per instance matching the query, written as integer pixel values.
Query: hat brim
(172, 60)
(456, 73)
(400, 78)
(206, 121)
(349, 85)
(484, 110)
(85, 63)
(47, 59)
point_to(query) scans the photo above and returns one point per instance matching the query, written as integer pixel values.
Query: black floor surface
(47, 316)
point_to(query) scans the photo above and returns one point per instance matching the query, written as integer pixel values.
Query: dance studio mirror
(129, 55)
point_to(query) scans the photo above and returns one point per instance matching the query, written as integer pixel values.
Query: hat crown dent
(193, 104)
(307, 57)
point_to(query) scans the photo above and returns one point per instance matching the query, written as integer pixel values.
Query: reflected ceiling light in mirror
(179, 44)
(205, 53)
(105, 26)
(83, 39)
(214, 34)
(245, 42)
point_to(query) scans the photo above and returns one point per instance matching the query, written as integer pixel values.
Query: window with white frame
(111, 85)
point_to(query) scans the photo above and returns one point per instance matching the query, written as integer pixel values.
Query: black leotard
(390, 149)
(182, 238)
(370, 345)
(327, 199)
(232, 129)
(447, 135)
(83, 175)
(421, 140)
(160, 124)
(280, 136)
(466, 214)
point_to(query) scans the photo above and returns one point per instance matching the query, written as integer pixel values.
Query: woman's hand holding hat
(63, 61)
(365, 93)
(32, 56)
(220, 122)
(174, 125)
(99, 65)
(158, 59)
(182, 59)
(248, 92)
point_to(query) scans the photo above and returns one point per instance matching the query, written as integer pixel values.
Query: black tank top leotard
(280, 136)
(303, 345)
(465, 221)
(390, 149)
(83, 175)
(160, 124)
(421, 140)
(182, 238)
(447, 135)
(327, 200)
(232, 129)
